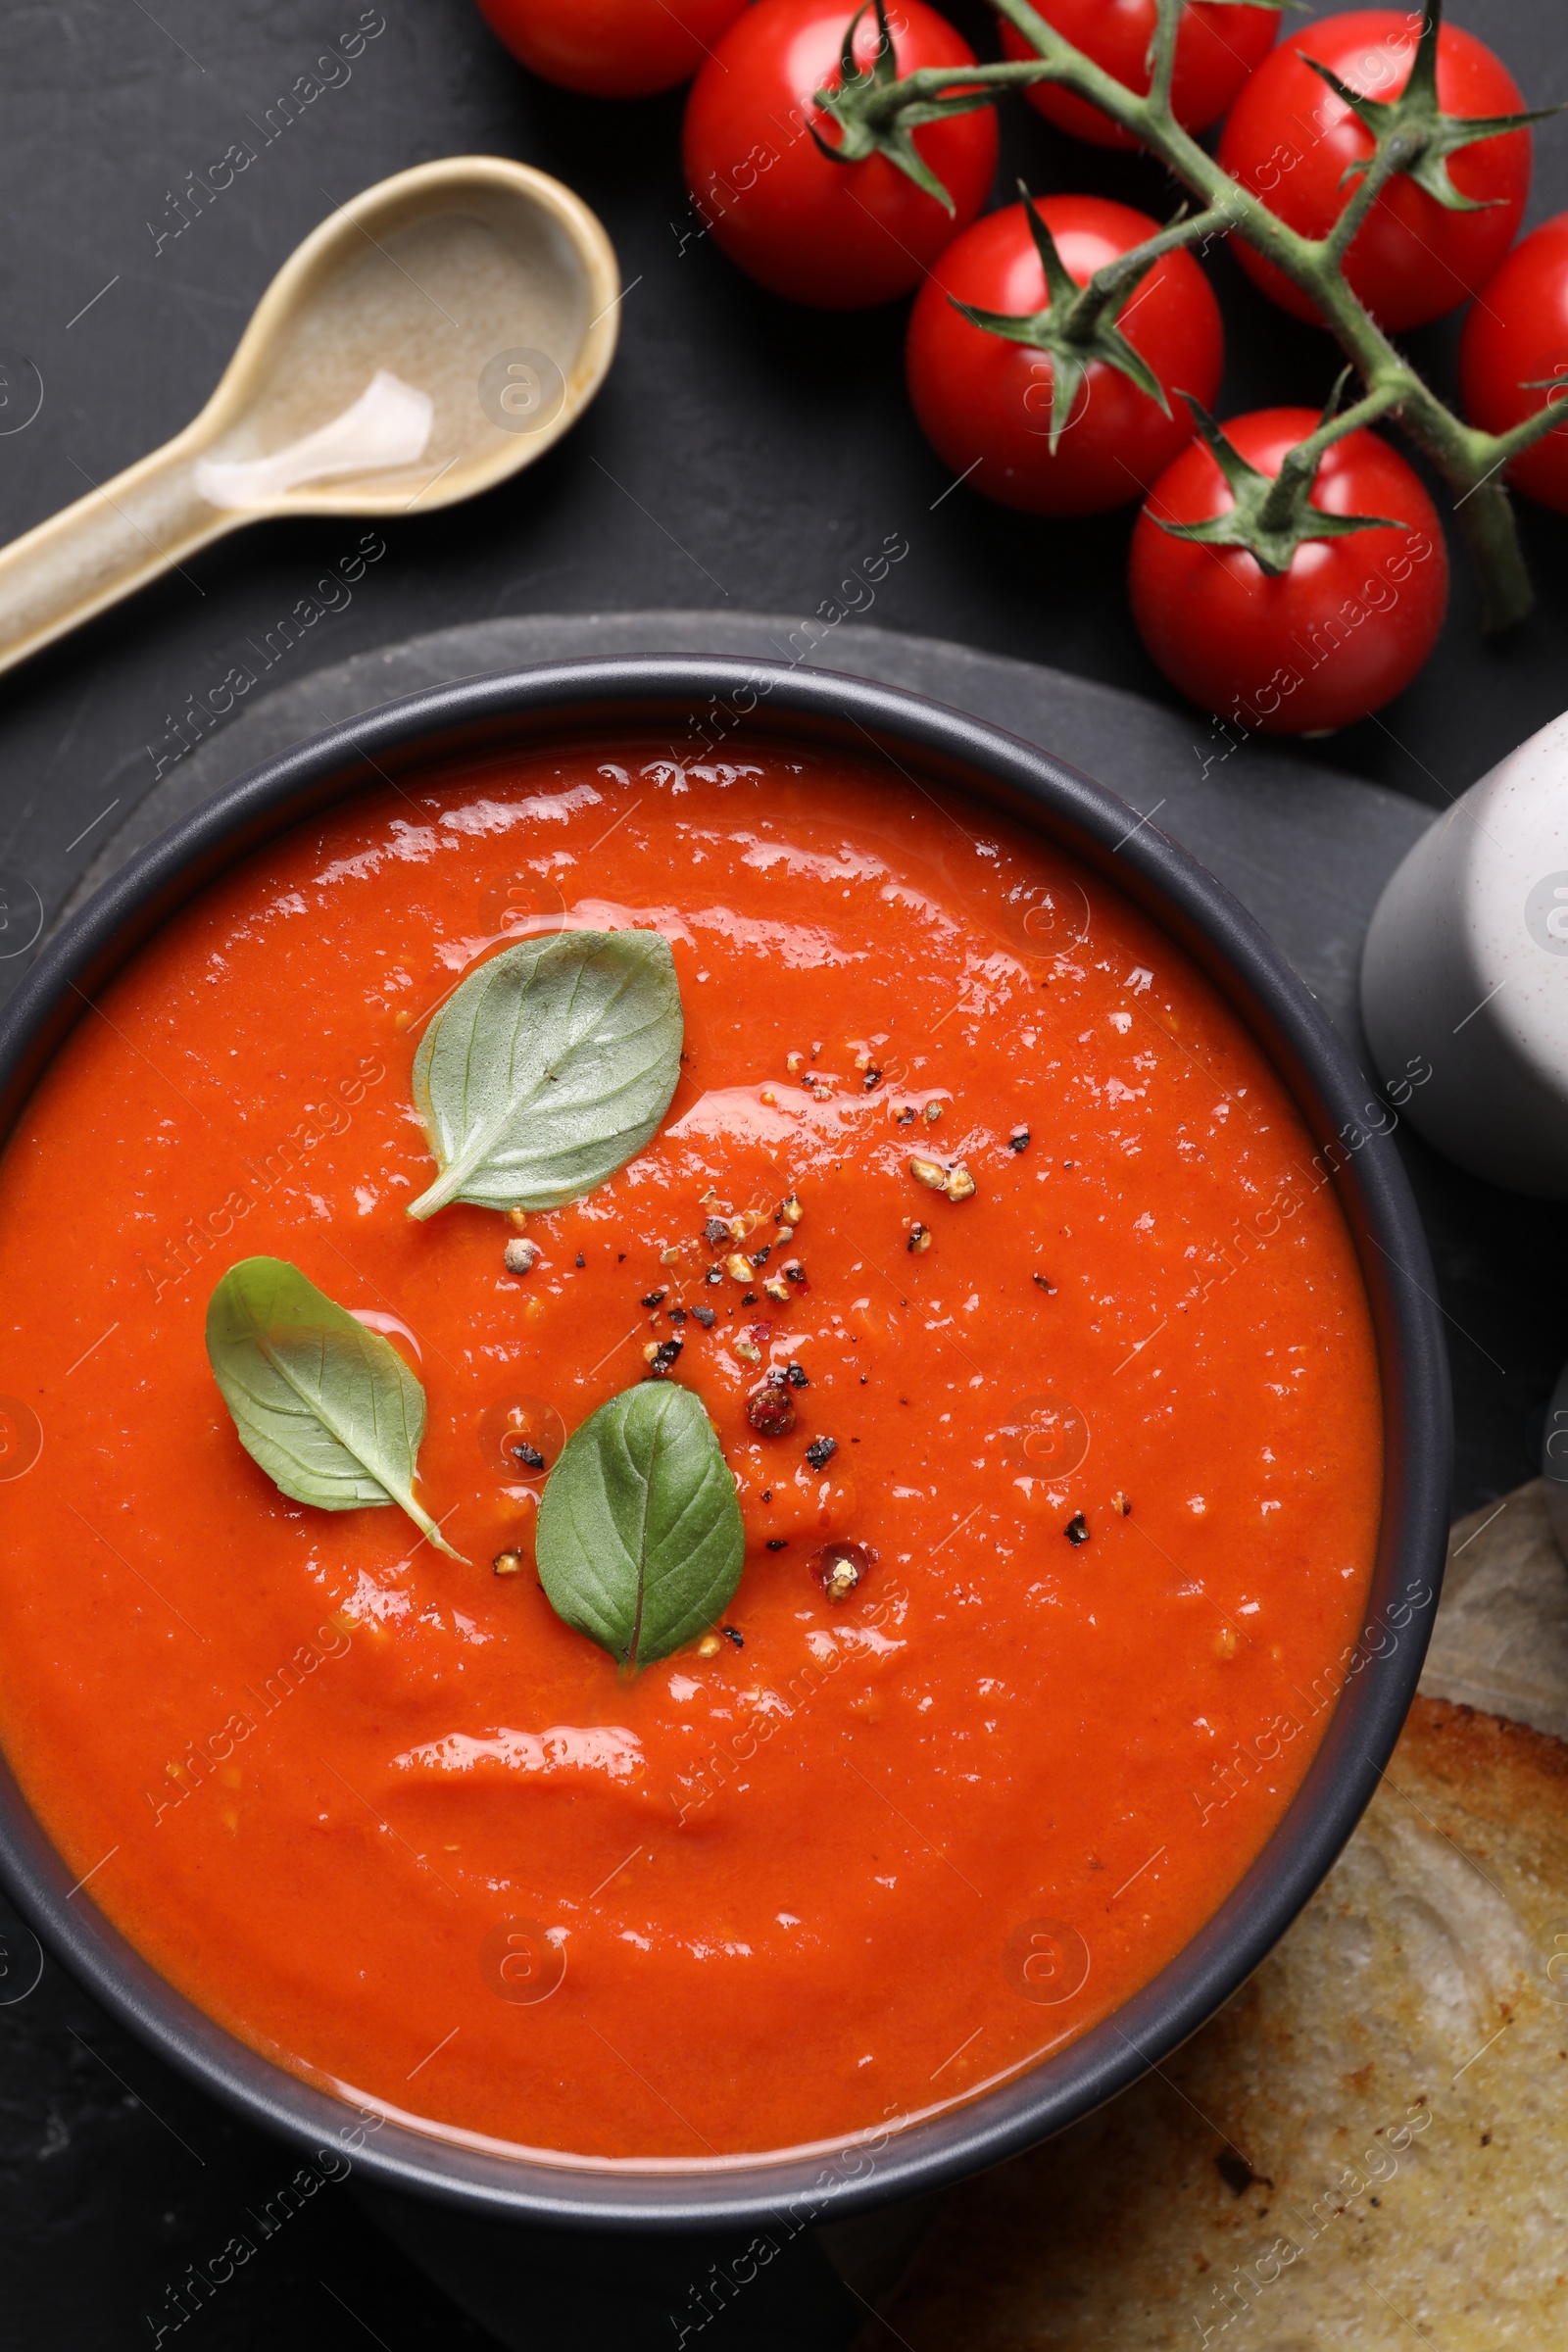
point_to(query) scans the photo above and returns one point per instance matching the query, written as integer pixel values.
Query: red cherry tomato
(1216, 49)
(1341, 632)
(610, 48)
(1515, 342)
(836, 235)
(985, 403)
(1290, 139)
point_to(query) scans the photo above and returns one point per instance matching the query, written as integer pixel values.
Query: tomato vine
(1410, 136)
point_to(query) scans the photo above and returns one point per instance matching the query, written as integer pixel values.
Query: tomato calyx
(877, 110)
(1272, 515)
(1413, 135)
(1077, 325)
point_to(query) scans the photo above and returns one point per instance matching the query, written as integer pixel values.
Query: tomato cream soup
(1059, 1506)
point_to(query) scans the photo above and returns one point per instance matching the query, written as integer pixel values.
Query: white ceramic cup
(1465, 975)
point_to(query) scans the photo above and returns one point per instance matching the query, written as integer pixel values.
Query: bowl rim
(712, 704)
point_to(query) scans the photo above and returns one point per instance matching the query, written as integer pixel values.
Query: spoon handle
(123, 533)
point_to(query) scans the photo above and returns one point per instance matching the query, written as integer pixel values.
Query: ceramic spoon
(434, 336)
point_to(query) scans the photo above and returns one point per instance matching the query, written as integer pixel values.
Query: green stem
(1383, 167)
(1301, 463)
(1112, 281)
(1167, 24)
(1469, 461)
(941, 82)
(1492, 537)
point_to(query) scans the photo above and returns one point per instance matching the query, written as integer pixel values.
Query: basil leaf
(329, 1410)
(640, 1543)
(549, 1068)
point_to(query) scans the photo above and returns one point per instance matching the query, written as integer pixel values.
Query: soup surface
(1108, 1446)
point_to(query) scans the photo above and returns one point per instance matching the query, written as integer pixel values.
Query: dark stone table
(740, 456)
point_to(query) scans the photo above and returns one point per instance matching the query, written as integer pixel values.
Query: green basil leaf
(640, 1543)
(329, 1410)
(549, 1068)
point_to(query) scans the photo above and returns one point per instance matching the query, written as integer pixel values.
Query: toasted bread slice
(1501, 1641)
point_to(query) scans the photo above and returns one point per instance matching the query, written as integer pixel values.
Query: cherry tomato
(1339, 633)
(836, 235)
(985, 403)
(1515, 342)
(1290, 139)
(610, 48)
(1216, 48)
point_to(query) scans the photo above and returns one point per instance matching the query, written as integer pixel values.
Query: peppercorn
(732, 1634)
(821, 1451)
(795, 1374)
(871, 1078)
(662, 1357)
(919, 1239)
(956, 1181)
(840, 1567)
(1046, 1284)
(770, 1411)
(519, 1257)
(529, 1455)
(778, 1544)
(655, 1299)
(716, 1233)
(1018, 1139)
(705, 1316)
(1076, 1530)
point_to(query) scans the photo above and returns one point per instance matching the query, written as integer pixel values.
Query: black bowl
(719, 703)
